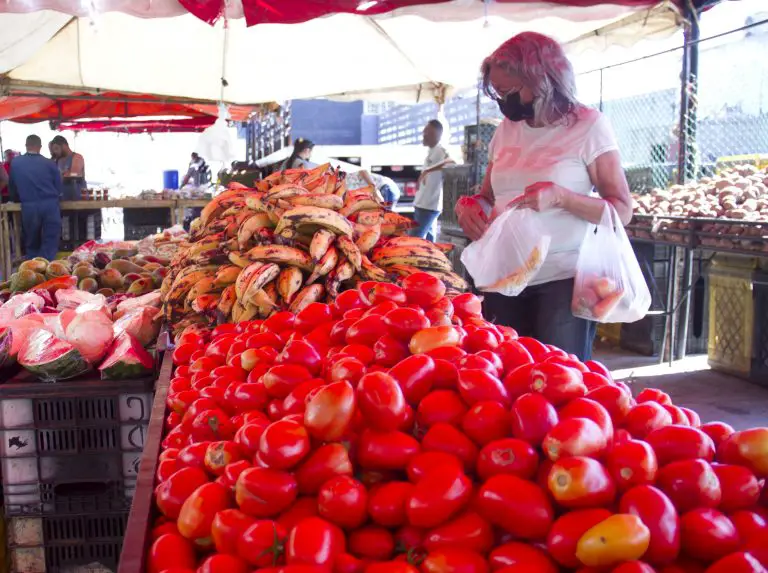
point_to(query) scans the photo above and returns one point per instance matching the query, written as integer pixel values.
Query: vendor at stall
(299, 159)
(36, 183)
(5, 171)
(556, 156)
(198, 174)
(72, 168)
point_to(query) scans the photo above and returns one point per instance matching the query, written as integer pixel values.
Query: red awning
(187, 125)
(34, 108)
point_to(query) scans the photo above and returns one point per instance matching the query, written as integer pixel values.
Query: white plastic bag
(509, 254)
(609, 285)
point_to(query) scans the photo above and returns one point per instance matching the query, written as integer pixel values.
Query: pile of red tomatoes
(397, 431)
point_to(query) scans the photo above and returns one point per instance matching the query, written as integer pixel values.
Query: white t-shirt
(523, 155)
(430, 194)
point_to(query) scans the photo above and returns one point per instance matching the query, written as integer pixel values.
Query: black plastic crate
(457, 183)
(58, 543)
(759, 370)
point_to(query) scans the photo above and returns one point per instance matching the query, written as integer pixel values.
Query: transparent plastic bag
(609, 285)
(509, 254)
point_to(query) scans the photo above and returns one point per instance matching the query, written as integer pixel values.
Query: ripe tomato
(594, 380)
(566, 531)
(451, 354)
(739, 486)
(260, 544)
(227, 528)
(283, 444)
(445, 438)
(675, 443)
(343, 501)
(415, 375)
(301, 509)
(718, 431)
(440, 406)
(423, 289)
(660, 517)
(346, 368)
(312, 316)
(346, 563)
(246, 397)
(678, 416)
(477, 385)
(757, 545)
(748, 523)
(507, 456)
(425, 462)
(434, 337)
(301, 352)
(450, 560)
(740, 562)
(513, 355)
(324, 463)
(581, 482)
(532, 417)
(707, 534)
(537, 349)
(516, 556)
(248, 436)
(314, 541)
(690, 484)
(211, 425)
(446, 375)
(282, 379)
(516, 505)
(389, 351)
(574, 437)
(557, 383)
(617, 402)
(232, 472)
(386, 450)
(371, 542)
(747, 448)
(477, 362)
(391, 567)
(171, 551)
(438, 496)
(486, 422)
(632, 463)
(197, 513)
(592, 410)
(467, 531)
(171, 494)
(347, 300)
(193, 456)
(279, 322)
(263, 492)
(366, 331)
(381, 401)
(387, 503)
(220, 454)
(646, 417)
(330, 411)
(403, 323)
(620, 537)
(296, 401)
(654, 395)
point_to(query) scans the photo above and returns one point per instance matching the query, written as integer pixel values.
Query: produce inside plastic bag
(609, 285)
(141, 323)
(510, 253)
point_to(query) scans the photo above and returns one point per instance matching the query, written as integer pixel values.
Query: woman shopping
(558, 157)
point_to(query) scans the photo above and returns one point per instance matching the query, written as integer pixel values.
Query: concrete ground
(691, 383)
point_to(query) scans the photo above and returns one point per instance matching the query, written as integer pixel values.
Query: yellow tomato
(621, 537)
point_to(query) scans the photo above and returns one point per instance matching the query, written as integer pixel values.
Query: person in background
(198, 173)
(72, 168)
(299, 159)
(5, 172)
(558, 157)
(35, 181)
(429, 198)
(387, 189)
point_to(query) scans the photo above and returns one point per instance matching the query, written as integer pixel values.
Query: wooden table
(10, 220)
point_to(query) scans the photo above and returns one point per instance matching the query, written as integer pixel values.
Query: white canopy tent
(412, 54)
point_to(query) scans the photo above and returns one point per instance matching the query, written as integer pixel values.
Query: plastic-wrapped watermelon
(127, 358)
(51, 358)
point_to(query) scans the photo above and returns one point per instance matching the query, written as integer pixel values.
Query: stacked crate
(70, 453)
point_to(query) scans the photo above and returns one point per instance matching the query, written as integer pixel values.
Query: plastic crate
(476, 142)
(82, 543)
(72, 446)
(456, 184)
(731, 314)
(759, 369)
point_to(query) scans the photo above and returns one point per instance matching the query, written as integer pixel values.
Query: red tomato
(675, 443)
(263, 492)
(434, 337)
(445, 438)
(314, 541)
(415, 375)
(183, 352)
(515, 556)
(363, 353)
(646, 417)
(246, 397)
(301, 509)
(403, 323)
(387, 503)
(580, 482)
(296, 401)
(381, 401)
(438, 496)
(678, 416)
(468, 531)
(227, 528)
(440, 406)
(347, 300)
(757, 545)
(248, 436)
(513, 355)
(389, 351)
(386, 450)
(485, 422)
(312, 316)
(330, 411)
(343, 500)
(279, 322)
(532, 417)
(747, 448)
(193, 456)
(446, 375)
(516, 505)
(707, 534)
(283, 444)
(423, 289)
(574, 437)
(322, 464)
(586, 408)
(372, 542)
(739, 486)
(654, 395)
(262, 339)
(173, 492)
(450, 560)
(211, 425)
(594, 380)
(391, 567)
(481, 339)
(425, 462)
(741, 562)
(199, 509)
(536, 348)
(633, 567)
(302, 353)
(220, 454)
(367, 330)
(507, 456)
(171, 551)
(478, 386)
(566, 531)
(632, 463)
(658, 514)
(451, 354)
(718, 431)
(690, 484)
(748, 523)
(557, 383)
(346, 368)
(232, 473)
(260, 544)
(476, 362)
(617, 402)
(282, 379)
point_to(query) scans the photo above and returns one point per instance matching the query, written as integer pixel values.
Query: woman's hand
(472, 217)
(541, 196)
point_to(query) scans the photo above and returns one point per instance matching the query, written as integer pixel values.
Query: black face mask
(513, 109)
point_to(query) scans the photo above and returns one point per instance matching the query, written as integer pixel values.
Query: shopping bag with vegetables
(609, 285)
(509, 254)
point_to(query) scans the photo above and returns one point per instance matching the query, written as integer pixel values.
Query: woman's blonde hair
(542, 66)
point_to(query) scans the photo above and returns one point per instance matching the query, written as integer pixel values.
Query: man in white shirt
(429, 198)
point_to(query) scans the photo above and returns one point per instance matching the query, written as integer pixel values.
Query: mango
(57, 269)
(141, 286)
(34, 265)
(89, 284)
(124, 266)
(111, 278)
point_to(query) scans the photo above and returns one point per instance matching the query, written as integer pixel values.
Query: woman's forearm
(591, 208)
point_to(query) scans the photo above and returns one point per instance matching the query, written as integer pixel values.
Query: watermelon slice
(126, 359)
(51, 358)
(6, 335)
